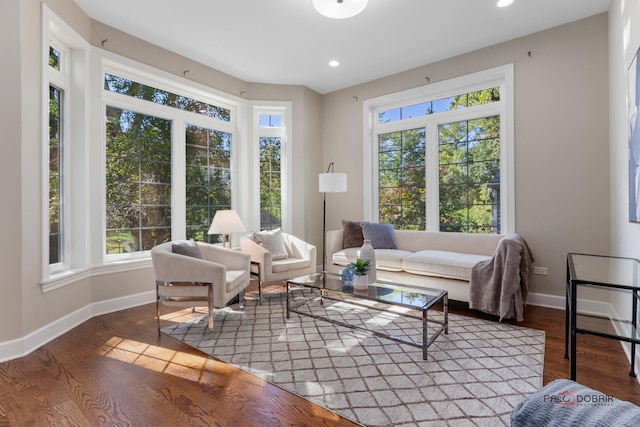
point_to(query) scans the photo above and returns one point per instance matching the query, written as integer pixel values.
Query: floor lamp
(329, 182)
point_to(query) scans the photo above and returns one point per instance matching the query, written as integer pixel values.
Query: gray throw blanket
(499, 286)
(567, 403)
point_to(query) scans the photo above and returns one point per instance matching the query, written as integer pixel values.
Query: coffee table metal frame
(330, 283)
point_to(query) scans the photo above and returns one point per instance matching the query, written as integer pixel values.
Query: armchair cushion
(290, 264)
(273, 242)
(189, 248)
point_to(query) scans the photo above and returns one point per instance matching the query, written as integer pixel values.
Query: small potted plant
(360, 278)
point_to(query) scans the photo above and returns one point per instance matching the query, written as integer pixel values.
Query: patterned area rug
(474, 375)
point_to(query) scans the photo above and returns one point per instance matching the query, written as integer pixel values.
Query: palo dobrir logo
(568, 398)
(564, 398)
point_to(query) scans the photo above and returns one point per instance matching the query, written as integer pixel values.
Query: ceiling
(288, 42)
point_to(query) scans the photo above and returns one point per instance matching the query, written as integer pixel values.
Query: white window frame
(72, 79)
(129, 69)
(282, 109)
(501, 77)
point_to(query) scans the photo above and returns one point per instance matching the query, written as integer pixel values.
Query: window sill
(68, 277)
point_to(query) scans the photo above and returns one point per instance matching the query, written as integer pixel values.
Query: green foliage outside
(270, 183)
(138, 170)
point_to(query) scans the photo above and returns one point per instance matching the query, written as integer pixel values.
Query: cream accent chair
(187, 281)
(300, 260)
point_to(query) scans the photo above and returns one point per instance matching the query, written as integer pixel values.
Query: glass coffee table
(330, 285)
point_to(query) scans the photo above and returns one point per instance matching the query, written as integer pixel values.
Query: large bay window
(133, 157)
(440, 158)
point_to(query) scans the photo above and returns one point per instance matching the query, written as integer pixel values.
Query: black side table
(604, 272)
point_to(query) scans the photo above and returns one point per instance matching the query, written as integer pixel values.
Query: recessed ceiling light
(504, 3)
(334, 63)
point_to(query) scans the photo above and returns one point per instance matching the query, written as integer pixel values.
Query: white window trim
(501, 76)
(72, 78)
(282, 109)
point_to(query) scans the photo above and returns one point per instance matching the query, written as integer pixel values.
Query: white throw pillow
(273, 242)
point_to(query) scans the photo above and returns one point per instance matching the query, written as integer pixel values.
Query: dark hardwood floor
(114, 370)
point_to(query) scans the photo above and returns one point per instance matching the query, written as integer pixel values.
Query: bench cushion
(386, 259)
(452, 265)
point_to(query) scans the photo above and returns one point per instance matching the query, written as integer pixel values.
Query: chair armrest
(257, 254)
(231, 259)
(172, 267)
(303, 249)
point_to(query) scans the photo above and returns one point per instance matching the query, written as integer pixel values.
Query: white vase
(360, 283)
(368, 254)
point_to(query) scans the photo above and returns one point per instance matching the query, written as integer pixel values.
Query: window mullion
(432, 178)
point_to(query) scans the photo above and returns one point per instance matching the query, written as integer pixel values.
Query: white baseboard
(20, 347)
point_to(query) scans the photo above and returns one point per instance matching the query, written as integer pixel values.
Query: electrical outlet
(543, 271)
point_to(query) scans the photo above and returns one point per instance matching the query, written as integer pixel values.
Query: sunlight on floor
(188, 366)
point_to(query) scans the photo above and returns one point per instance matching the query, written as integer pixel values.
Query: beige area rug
(474, 375)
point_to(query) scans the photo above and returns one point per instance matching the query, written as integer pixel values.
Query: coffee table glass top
(381, 290)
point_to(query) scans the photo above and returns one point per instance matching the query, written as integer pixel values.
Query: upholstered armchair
(190, 274)
(278, 256)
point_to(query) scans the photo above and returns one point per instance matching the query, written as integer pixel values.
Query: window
(402, 178)
(274, 154)
(56, 211)
(64, 155)
(469, 175)
(208, 178)
(138, 181)
(169, 162)
(443, 162)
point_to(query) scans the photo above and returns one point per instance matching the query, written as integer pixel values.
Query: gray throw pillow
(189, 248)
(273, 242)
(351, 234)
(380, 235)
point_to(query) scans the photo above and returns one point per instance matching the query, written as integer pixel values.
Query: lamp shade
(333, 182)
(339, 9)
(226, 222)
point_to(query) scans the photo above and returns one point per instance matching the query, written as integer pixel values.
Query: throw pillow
(351, 234)
(273, 242)
(189, 248)
(380, 235)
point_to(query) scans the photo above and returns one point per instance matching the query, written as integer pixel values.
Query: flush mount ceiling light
(339, 9)
(504, 3)
(334, 63)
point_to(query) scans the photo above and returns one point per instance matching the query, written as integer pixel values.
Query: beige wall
(10, 180)
(561, 134)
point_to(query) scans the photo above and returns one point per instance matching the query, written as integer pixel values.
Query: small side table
(605, 272)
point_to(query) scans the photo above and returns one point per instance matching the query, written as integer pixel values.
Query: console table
(605, 272)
